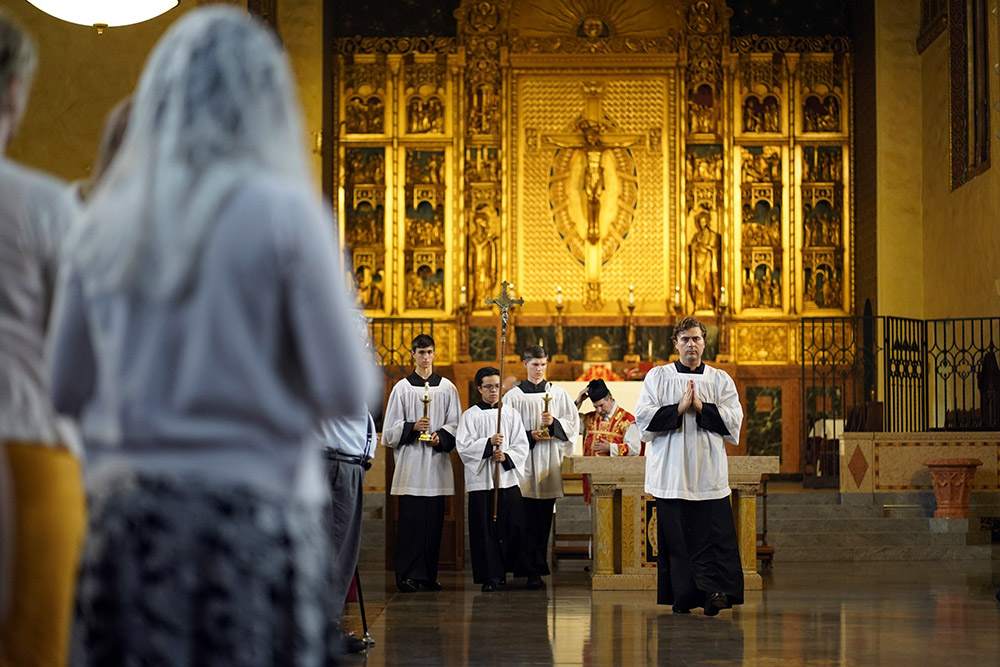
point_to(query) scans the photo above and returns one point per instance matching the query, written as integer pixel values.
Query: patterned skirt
(180, 571)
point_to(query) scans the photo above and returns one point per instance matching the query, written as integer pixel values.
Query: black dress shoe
(431, 586)
(680, 610)
(354, 645)
(489, 586)
(716, 602)
(535, 582)
(407, 586)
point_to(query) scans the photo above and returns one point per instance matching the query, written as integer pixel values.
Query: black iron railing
(895, 374)
(391, 338)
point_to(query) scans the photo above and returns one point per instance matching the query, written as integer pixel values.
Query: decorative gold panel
(763, 343)
(550, 106)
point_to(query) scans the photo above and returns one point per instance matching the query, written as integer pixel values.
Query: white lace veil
(215, 104)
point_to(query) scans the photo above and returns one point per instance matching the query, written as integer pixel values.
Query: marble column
(745, 516)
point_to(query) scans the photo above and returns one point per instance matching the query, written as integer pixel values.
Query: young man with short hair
(551, 433)
(495, 545)
(423, 476)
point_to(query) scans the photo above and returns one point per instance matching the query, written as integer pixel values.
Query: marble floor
(883, 613)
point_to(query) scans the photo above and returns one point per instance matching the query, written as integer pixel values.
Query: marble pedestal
(619, 517)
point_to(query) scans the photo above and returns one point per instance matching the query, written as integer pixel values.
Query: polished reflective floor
(883, 613)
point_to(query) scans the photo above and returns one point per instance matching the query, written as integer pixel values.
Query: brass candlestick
(426, 400)
(545, 429)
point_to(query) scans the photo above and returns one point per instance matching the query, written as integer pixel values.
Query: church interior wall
(961, 230)
(81, 75)
(899, 170)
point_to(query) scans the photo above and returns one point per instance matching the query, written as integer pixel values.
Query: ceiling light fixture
(105, 13)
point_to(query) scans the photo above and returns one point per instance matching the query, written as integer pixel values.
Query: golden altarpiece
(599, 154)
(593, 147)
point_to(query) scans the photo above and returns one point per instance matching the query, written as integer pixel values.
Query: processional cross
(505, 303)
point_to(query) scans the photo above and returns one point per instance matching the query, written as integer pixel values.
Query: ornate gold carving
(425, 115)
(762, 343)
(365, 116)
(370, 76)
(483, 16)
(395, 45)
(761, 115)
(543, 45)
(424, 75)
(761, 76)
(628, 530)
(424, 247)
(786, 44)
(761, 227)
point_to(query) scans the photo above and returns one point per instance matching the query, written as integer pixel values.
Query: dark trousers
(347, 487)
(697, 552)
(418, 537)
(496, 546)
(537, 526)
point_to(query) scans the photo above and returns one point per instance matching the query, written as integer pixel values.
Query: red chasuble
(612, 430)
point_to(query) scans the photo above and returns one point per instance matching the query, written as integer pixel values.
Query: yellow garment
(49, 526)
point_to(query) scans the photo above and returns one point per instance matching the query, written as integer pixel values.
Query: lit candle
(677, 295)
(723, 300)
(649, 349)
(558, 295)
(461, 296)
(631, 296)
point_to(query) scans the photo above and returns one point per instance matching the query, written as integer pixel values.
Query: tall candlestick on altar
(462, 297)
(426, 400)
(559, 295)
(678, 302)
(649, 349)
(723, 298)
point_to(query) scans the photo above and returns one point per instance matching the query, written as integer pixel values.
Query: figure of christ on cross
(592, 193)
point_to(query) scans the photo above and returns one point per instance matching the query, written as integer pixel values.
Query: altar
(624, 518)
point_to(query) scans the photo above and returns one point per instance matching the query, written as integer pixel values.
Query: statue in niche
(425, 288)
(482, 165)
(753, 115)
(484, 112)
(751, 297)
(370, 291)
(427, 170)
(425, 116)
(424, 233)
(483, 256)
(365, 226)
(365, 117)
(365, 167)
(703, 260)
(822, 116)
(702, 115)
(704, 167)
(772, 114)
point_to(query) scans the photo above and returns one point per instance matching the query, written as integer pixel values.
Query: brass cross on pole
(505, 303)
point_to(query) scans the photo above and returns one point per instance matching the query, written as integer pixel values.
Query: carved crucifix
(592, 204)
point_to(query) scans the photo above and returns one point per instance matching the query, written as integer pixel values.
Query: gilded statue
(822, 116)
(483, 258)
(703, 259)
(370, 292)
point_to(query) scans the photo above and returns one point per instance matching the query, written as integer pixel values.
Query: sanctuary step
(826, 526)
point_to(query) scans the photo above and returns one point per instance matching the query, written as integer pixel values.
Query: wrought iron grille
(924, 373)
(391, 338)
